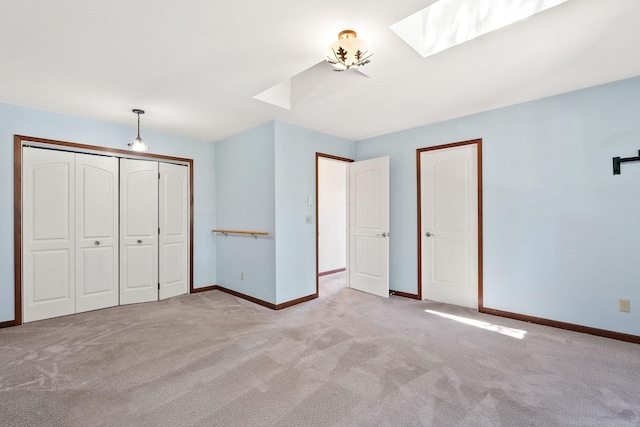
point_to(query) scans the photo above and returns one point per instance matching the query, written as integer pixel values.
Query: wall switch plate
(241, 276)
(307, 219)
(625, 305)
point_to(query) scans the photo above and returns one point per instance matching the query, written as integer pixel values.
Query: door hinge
(158, 286)
(158, 230)
(158, 175)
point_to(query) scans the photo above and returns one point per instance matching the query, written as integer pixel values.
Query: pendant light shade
(138, 144)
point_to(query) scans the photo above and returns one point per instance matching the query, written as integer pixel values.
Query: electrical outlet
(241, 276)
(625, 305)
(307, 219)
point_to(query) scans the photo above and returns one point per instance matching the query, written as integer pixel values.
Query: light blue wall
(561, 233)
(245, 200)
(295, 173)
(264, 178)
(43, 124)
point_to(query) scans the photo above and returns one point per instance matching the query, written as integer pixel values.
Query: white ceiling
(195, 65)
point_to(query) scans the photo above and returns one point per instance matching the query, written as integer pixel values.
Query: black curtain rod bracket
(618, 160)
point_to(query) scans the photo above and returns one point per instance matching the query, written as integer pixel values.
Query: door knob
(382, 235)
(139, 241)
(97, 243)
(430, 234)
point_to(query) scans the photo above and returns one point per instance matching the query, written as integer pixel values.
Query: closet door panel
(138, 231)
(174, 225)
(48, 234)
(96, 232)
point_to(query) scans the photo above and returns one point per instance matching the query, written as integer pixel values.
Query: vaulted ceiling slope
(195, 66)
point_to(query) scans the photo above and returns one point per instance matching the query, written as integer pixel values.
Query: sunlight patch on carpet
(511, 332)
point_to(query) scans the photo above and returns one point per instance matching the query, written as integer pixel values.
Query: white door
(48, 234)
(369, 226)
(174, 227)
(138, 231)
(96, 186)
(449, 206)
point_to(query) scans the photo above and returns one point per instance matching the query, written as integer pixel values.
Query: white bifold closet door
(48, 228)
(74, 259)
(138, 231)
(96, 232)
(174, 226)
(69, 233)
(154, 242)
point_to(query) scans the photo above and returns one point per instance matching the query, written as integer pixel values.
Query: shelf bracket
(617, 161)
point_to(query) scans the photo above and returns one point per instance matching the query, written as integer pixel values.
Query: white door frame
(478, 143)
(18, 142)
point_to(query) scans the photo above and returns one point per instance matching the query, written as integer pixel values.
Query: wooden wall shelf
(255, 234)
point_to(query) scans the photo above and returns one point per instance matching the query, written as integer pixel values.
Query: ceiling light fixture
(347, 52)
(138, 144)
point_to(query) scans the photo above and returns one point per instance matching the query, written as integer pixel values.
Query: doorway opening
(332, 232)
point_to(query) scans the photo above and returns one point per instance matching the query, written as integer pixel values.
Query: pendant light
(138, 144)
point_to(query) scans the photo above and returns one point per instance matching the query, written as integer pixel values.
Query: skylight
(448, 23)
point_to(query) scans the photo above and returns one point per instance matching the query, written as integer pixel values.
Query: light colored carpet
(346, 359)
